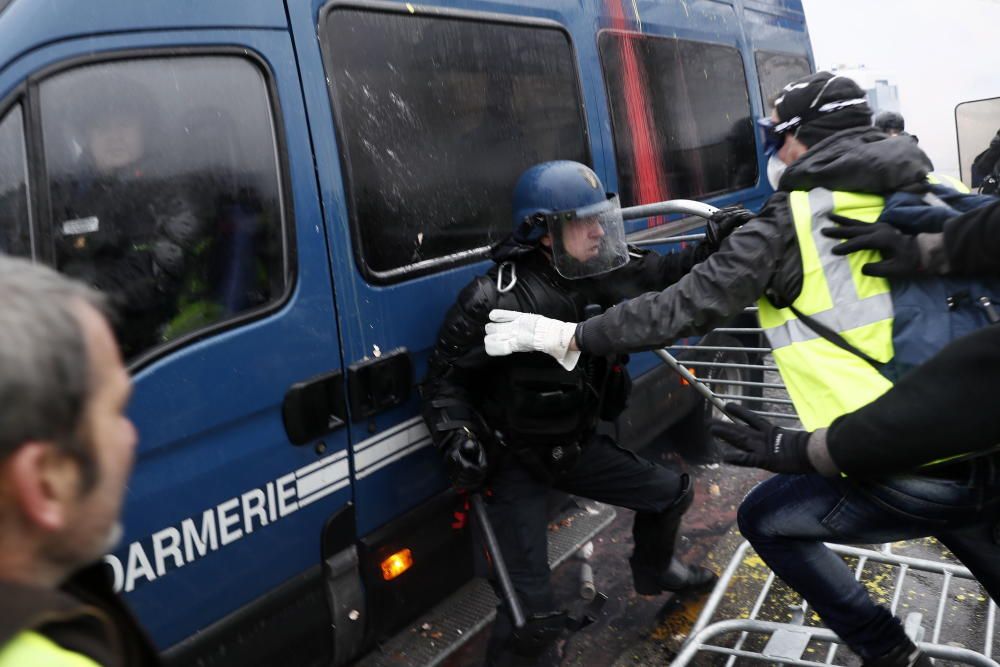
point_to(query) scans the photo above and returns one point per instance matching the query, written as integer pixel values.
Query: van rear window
(15, 236)
(680, 114)
(775, 71)
(164, 191)
(437, 117)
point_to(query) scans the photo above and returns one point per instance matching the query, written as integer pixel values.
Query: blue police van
(282, 198)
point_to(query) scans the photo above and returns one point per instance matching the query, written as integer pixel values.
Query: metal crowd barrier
(789, 642)
(771, 398)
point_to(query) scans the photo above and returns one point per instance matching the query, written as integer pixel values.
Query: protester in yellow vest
(825, 159)
(66, 450)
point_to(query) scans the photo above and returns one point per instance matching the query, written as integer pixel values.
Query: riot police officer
(525, 423)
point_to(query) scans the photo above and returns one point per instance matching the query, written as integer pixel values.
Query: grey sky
(938, 54)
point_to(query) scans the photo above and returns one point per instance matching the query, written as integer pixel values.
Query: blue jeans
(788, 517)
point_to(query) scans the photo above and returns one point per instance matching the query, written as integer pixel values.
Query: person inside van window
(115, 227)
(522, 425)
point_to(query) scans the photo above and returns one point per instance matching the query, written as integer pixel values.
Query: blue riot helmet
(566, 201)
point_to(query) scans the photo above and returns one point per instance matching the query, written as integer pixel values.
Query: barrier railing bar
(716, 364)
(746, 383)
(941, 603)
(667, 239)
(756, 399)
(898, 592)
(737, 653)
(753, 615)
(720, 589)
(991, 617)
(721, 348)
(895, 559)
(776, 415)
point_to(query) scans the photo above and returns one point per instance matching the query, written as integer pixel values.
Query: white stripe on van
(381, 450)
(320, 478)
(375, 439)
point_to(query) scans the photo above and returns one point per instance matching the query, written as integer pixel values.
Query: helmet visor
(589, 241)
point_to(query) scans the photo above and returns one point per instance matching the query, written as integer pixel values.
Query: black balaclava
(819, 105)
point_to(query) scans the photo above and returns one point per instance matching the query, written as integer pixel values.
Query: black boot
(676, 577)
(904, 655)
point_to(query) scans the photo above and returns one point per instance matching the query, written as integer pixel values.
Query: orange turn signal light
(397, 564)
(684, 382)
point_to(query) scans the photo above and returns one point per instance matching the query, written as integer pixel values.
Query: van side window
(15, 239)
(680, 114)
(437, 117)
(164, 191)
(775, 70)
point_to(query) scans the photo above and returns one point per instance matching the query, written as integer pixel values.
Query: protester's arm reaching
(652, 272)
(712, 292)
(968, 246)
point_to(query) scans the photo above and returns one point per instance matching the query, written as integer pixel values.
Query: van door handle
(375, 385)
(314, 407)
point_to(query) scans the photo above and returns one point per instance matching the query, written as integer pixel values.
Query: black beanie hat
(820, 105)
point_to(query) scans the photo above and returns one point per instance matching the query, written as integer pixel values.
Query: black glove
(465, 459)
(900, 253)
(723, 222)
(762, 444)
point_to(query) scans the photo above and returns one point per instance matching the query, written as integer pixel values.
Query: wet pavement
(650, 626)
(649, 630)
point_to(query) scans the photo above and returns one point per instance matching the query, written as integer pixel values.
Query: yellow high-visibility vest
(953, 183)
(34, 649)
(824, 380)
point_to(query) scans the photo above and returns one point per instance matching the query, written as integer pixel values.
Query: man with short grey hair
(66, 450)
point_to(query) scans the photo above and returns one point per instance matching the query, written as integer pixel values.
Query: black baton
(493, 549)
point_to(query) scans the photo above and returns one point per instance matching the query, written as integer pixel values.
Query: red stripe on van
(649, 183)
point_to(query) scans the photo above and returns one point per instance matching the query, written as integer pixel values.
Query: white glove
(510, 331)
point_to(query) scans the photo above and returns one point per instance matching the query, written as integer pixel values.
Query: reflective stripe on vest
(823, 380)
(36, 650)
(953, 183)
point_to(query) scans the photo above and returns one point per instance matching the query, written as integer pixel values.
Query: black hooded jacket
(530, 399)
(761, 257)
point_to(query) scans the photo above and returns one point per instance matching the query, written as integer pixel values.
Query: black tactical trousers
(604, 472)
